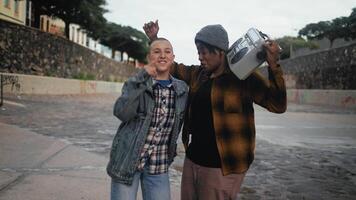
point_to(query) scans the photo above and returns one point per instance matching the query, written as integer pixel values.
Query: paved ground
(307, 153)
(36, 167)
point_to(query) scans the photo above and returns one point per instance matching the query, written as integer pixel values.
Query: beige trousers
(204, 183)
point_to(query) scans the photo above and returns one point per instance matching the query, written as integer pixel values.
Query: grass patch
(84, 76)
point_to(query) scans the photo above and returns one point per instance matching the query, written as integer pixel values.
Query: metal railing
(2, 91)
(8, 79)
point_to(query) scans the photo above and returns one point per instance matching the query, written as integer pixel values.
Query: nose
(162, 55)
(200, 57)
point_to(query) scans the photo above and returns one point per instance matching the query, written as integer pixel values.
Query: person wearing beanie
(215, 35)
(219, 129)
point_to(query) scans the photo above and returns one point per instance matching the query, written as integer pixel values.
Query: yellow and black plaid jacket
(232, 108)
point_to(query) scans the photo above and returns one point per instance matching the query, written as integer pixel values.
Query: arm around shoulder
(184, 72)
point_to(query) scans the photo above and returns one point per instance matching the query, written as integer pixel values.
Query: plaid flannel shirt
(155, 150)
(232, 110)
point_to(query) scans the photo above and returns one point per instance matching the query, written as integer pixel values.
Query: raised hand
(151, 69)
(151, 29)
(273, 52)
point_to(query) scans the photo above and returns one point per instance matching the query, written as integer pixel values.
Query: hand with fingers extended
(151, 29)
(151, 69)
(273, 52)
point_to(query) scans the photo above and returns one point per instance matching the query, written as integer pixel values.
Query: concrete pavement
(37, 167)
(306, 153)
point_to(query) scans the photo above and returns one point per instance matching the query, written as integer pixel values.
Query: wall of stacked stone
(26, 50)
(327, 69)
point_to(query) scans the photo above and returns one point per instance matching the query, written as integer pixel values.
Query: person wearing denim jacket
(219, 131)
(136, 154)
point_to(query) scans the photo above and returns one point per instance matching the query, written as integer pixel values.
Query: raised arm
(270, 93)
(180, 71)
(151, 29)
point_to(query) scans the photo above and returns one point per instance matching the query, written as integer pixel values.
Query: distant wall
(338, 98)
(329, 69)
(323, 44)
(29, 84)
(25, 50)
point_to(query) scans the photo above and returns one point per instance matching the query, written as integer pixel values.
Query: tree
(289, 44)
(125, 39)
(352, 25)
(89, 15)
(325, 29)
(340, 27)
(92, 17)
(86, 13)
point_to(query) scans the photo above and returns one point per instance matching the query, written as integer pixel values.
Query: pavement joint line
(13, 183)
(51, 156)
(25, 174)
(57, 169)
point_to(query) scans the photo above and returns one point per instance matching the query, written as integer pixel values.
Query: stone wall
(329, 69)
(26, 50)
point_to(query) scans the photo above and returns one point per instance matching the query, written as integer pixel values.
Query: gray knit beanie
(214, 35)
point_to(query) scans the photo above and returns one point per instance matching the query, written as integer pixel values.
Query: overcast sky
(180, 20)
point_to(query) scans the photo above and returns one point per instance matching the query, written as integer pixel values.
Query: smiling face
(161, 55)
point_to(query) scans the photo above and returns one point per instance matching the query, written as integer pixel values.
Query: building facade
(22, 13)
(52, 25)
(13, 11)
(77, 35)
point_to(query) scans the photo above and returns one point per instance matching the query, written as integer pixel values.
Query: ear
(148, 57)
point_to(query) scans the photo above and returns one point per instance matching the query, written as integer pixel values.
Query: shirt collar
(156, 83)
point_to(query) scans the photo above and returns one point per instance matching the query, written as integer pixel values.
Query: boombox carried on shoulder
(247, 53)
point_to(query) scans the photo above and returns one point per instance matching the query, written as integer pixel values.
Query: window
(42, 24)
(47, 25)
(16, 8)
(28, 13)
(73, 33)
(77, 35)
(83, 39)
(7, 3)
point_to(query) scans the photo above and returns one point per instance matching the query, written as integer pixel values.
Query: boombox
(247, 53)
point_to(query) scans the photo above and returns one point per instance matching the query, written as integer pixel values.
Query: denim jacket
(135, 110)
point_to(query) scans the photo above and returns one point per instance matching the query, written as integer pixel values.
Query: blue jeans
(153, 186)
